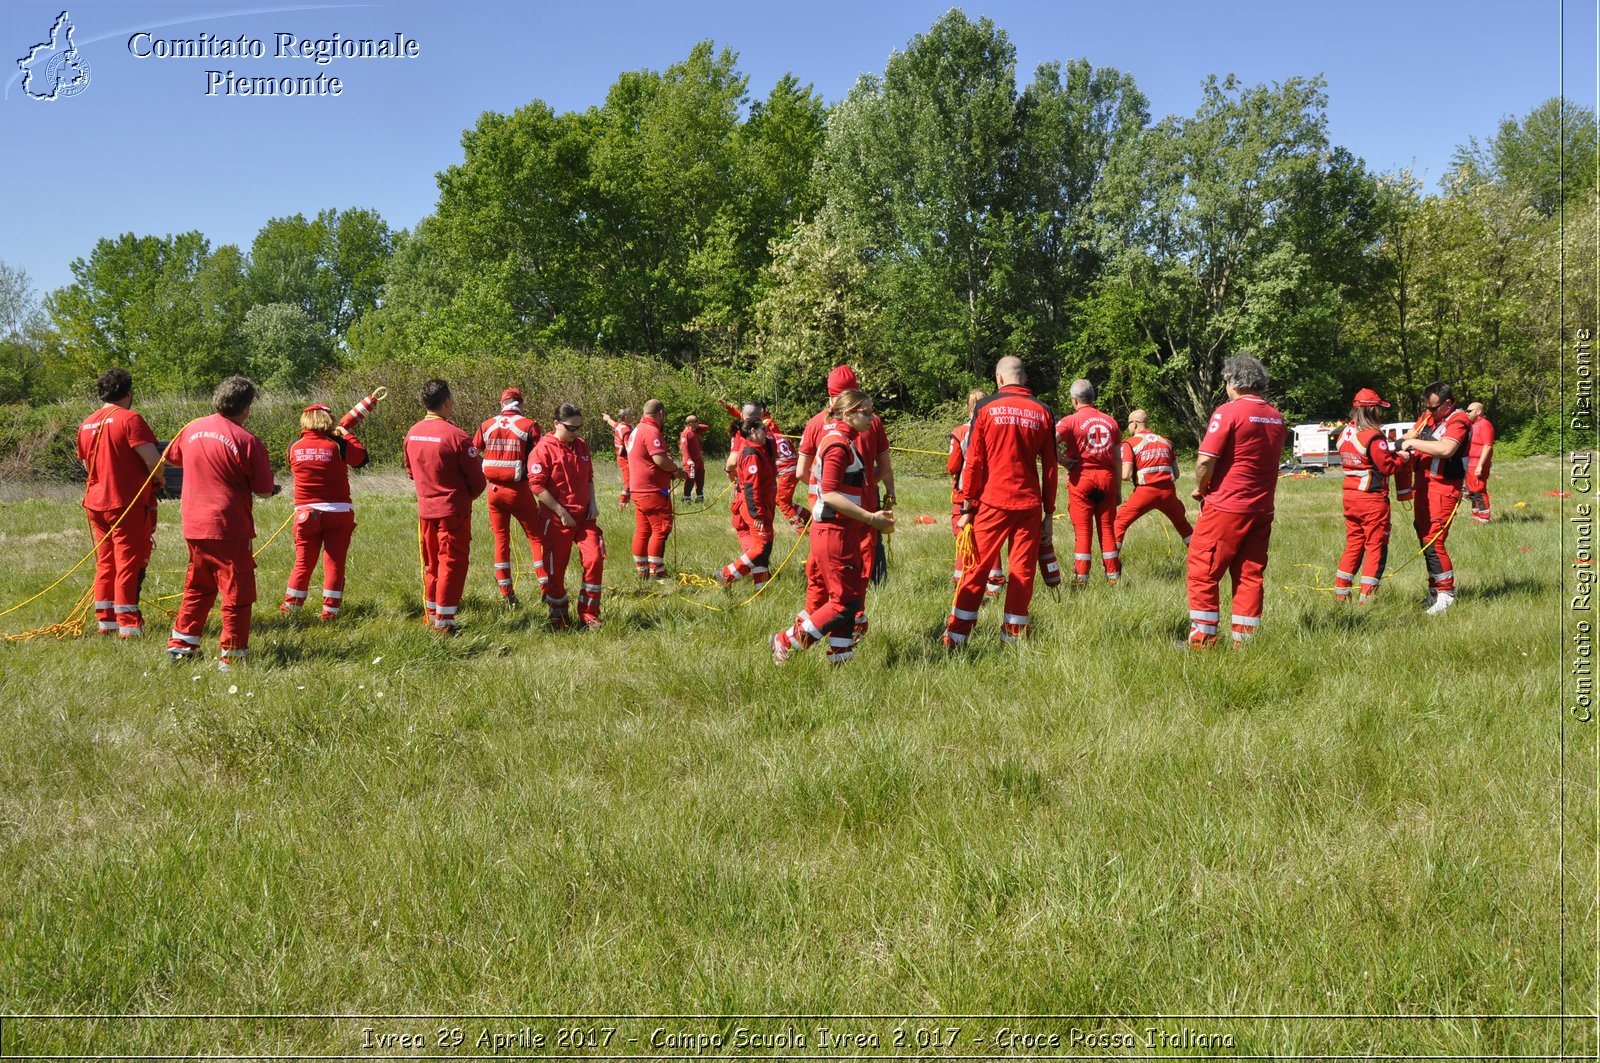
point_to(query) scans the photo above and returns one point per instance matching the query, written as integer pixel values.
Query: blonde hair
(973, 398)
(848, 401)
(316, 421)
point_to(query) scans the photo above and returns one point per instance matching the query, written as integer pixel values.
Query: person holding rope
(1149, 463)
(1236, 484)
(224, 465)
(836, 579)
(953, 465)
(504, 441)
(873, 445)
(785, 459)
(754, 500)
(118, 451)
(1007, 498)
(1089, 444)
(444, 466)
(324, 518)
(1480, 459)
(1439, 441)
(621, 428)
(651, 471)
(1368, 463)
(561, 477)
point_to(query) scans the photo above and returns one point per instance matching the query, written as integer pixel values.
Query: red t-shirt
(320, 464)
(689, 443)
(563, 469)
(619, 440)
(644, 475)
(444, 465)
(223, 466)
(1482, 436)
(1088, 439)
(1151, 458)
(1246, 437)
(1447, 423)
(106, 443)
(1010, 441)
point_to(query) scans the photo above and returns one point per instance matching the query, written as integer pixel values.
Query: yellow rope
(910, 450)
(275, 534)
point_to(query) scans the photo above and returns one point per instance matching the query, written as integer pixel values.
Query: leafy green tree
(286, 347)
(31, 369)
(1531, 154)
(331, 266)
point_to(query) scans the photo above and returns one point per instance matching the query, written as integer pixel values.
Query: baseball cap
(510, 397)
(1368, 397)
(843, 378)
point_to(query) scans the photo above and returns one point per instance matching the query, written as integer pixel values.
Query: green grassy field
(1358, 815)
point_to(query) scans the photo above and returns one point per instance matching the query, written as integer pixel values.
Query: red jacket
(1089, 439)
(757, 493)
(505, 441)
(1152, 460)
(839, 467)
(782, 445)
(320, 465)
(953, 464)
(1010, 442)
(444, 464)
(1451, 423)
(1368, 462)
(619, 441)
(566, 471)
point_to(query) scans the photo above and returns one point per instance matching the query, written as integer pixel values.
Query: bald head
(1008, 370)
(691, 420)
(654, 409)
(1138, 420)
(1475, 410)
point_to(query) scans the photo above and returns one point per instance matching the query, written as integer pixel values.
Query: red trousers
(446, 547)
(1092, 501)
(755, 539)
(836, 591)
(652, 523)
(1145, 497)
(1430, 516)
(121, 556)
(622, 467)
(558, 543)
(992, 529)
(316, 531)
(695, 479)
(1235, 543)
(786, 486)
(216, 566)
(507, 504)
(1366, 542)
(1478, 492)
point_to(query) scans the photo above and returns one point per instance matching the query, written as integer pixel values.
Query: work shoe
(948, 643)
(512, 602)
(780, 648)
(1432, 597)
(558, 622)
(130, 632)
(592, 624)
(182, 654)
(1444, 601)
(724, 581)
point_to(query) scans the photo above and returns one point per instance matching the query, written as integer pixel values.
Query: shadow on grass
(1509, 587)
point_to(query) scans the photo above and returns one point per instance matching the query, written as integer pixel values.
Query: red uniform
(444, 465)
(1478, 487)
(754, 501)
(1008, 484)
(836, 580)
(651, 486)
(619, 442)
(1245, 437)
(952, 465)
(324, 518)
(694, 466)
(1089, 444)
(119, 481)
(786, 458)
(1440, 491)
(1368, 463)
(1155, 470)
(505, 441)
(223, 466)
(566, 472)
(869, 444)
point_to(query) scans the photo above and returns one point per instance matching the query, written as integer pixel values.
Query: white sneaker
(1444, 601)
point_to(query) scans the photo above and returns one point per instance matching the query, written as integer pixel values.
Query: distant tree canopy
(938, 217)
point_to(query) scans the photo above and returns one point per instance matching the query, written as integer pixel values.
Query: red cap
(318, 406)
(1368, 397)
(510, 397)
(843, 378)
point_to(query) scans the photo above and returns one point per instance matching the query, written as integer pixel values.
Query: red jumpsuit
(505, 441)
(1245, 437)
(1089, 444)
(752, 508)
(119, 481)
(1440, 491)
(324, 518)
(651, 487)
(836, 580)
(1368, 463)
(444, 465)
(619, 442)
(787, 458)
(1478, 489)
(869, 444)
(223, 466)
(566, 471)
(694, 466)
(1155, 486)
(1010, 497)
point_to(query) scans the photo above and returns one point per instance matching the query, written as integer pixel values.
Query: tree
(30, 369)
(332, 267)
(286, 348)
(1556, 137)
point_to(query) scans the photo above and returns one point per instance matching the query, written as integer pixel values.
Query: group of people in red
(1003, 463)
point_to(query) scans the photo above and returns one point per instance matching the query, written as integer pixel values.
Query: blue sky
(144, 149)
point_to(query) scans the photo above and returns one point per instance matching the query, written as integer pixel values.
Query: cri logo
(1099, 437)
